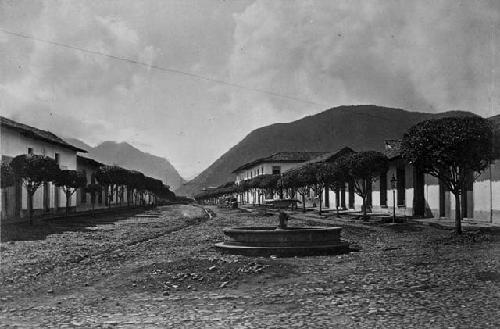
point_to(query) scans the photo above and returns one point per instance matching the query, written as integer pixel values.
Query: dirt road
(159, 269)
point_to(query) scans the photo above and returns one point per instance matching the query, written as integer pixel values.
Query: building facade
(402, 188)
(421, 195)
(17, 139)
(276, 163)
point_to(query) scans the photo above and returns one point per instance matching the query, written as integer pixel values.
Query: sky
(212, 71)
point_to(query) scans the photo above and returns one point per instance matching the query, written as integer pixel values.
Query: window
(276, 170)
(30, 150)
(56, 157)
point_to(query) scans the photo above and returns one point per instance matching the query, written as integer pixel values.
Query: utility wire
(160, 68)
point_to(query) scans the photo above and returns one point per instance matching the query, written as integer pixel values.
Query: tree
(166, 194)
(269, 183)
(363, 169)
(70, 181)
(8, 178)
(93, 189)
(111, 177)
(136, 181)
(333, 175)
(453, 149)
(300, 179)
(34, 170)
(105, 179)
(153, 187)
(242, 188)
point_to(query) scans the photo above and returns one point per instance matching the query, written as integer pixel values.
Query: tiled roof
(35, 133)
(331, 156)
(88, 161)
(392, 148)
(282, 157)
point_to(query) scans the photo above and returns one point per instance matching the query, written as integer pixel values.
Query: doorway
(419, 196)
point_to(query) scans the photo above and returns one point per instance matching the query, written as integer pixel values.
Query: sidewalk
(329, 216)
(467, 224)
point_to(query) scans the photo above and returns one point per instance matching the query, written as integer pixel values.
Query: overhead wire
(161, 68)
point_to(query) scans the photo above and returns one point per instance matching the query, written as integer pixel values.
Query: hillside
(129, 157)
(363, 127)
(496, 133)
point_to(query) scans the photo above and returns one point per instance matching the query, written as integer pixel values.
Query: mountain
(361, 127)
(496, 133)
(129, 157)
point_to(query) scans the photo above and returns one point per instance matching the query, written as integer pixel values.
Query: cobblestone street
(159, 269)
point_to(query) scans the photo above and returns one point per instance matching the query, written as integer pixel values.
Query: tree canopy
(363, 168)
(8, 178)
(366, 165)
(453, 149)
(450, 148)
(70, 179)
(34, 169)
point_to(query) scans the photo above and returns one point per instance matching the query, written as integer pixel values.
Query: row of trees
(35, 170)
(454, 149)
(264, 184)
(359, 168)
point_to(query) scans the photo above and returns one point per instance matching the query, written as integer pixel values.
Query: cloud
(425, 55)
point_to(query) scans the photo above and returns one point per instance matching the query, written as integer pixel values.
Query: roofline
(34, 135)
(97, 163)
(266, 159)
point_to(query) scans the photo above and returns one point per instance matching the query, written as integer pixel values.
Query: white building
(421, 195)
(17, 139)
(276, 163)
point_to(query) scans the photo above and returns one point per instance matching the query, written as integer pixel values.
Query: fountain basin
(293, 241)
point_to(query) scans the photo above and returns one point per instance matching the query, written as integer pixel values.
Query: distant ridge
(361, 127)
(129, 157)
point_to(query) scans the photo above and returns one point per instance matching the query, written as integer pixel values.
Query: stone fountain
(283, 241)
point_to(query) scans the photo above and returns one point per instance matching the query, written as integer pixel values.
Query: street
(159, 269)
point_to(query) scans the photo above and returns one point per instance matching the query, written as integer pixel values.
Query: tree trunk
(303, 203)
(364, 205)
(109, 193)
(458, 215)
(320, 201)
(68, 198)
(30, 206)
